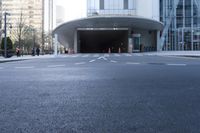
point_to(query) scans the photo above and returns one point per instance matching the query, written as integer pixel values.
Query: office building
(182, 24)
(23, 14)
(114, 25)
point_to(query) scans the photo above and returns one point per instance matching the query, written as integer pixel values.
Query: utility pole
(43, 21)
(50, 22)
(5, 33)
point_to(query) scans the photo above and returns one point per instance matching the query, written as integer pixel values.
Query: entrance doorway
(103, 41)
(136, 42)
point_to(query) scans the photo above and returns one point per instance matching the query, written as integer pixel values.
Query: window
(101, 4)
(125, 4)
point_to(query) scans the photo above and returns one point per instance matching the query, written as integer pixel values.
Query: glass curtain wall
(183, 33)
(111, 7)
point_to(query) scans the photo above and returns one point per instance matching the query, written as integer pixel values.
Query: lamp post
(5, 33)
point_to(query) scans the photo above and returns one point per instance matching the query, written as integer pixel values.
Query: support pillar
(192, 25)
(56, 45)
(75, 42)
(158, 41)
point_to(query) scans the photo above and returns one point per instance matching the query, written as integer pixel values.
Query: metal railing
(111, 12)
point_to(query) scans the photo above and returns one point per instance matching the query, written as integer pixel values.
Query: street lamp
(5, 32)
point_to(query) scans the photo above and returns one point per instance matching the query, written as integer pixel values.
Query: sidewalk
(175, 53)
(25, 57)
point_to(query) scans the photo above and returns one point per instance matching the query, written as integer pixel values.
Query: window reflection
(111, 7)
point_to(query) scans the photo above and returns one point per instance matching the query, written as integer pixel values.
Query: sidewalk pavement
(175, 53)
(160, 53)
(25, 57)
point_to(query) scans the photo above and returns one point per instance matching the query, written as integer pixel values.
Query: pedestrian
(33, 52)
(38, 51)
(17, 52)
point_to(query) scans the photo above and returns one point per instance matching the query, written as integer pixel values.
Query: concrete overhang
(67, 30)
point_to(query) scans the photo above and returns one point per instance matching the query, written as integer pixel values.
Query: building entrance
(103, 41)
(136, 42)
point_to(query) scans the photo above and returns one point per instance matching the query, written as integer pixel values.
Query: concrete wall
(148, 9)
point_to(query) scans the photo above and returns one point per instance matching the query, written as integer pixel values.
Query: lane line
(53, 66)
(118, 55)
(27, 67)
(176, 64)
(133, 63)
(106, 55)
(80, 63)
(129, 55)
(102, 57)
(84, 56)
(74, 56)
(96, 55)
(113, 61)
(92, 61)
(138, 55)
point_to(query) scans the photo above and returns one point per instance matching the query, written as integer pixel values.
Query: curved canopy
(66, 31)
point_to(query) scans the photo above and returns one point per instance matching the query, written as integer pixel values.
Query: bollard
(109, 51)
(119, 51)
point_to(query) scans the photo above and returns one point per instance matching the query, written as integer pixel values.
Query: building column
(75, 41)
(192, 25)
(183, 40)
(158, 41)
(55, 44)
(130, 42)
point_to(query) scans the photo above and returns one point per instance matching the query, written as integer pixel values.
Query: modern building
(182, 24)
(23, 13)
(114, 25)
(60, 15)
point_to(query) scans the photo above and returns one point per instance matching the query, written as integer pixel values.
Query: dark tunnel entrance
(100, 41)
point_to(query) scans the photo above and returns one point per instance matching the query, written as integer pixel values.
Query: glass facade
(111, 7)
(183, 19)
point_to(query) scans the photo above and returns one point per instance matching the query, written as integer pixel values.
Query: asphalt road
(100, 93)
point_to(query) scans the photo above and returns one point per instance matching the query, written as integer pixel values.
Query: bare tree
(20, 29)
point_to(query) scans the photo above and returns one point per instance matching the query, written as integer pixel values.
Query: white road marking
(80, 63)
(74, 56)
(105, 59)
(138, 54)
(1, 68)
(101, 57)
(133, 63)
(176, 64)
(92, 61)
(27, 67)
(96, 55)
(85, 55)
(53, 66)
(106, 55)
(112, 61)
(129, 55)
(117, 55)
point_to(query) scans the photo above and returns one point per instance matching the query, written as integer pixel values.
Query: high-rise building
(182, 24)
(114, 25)
(24, 13)
(60, 15)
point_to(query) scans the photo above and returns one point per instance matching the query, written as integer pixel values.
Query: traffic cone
(119, 51)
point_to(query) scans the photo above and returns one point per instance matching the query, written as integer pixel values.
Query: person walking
(17, 52)
(33, 52)
(38, 51)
